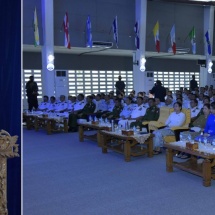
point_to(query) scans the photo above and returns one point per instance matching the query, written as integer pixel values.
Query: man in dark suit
(159, 91)
(120, 86)
(193, 84)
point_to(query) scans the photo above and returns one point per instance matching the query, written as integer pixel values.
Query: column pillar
(47, 47)
(138, 76)
(205, 77)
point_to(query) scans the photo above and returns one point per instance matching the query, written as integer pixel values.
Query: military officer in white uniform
(80, 103)
(128, 108)
(52, 104)
(194, 110)
(138, 112)
(62, 105)
(100, 104)
(45, 104)
(71, 103)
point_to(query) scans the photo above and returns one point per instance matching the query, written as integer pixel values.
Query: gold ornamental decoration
(8, 149)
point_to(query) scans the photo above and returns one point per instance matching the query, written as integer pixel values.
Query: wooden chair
(178, 129)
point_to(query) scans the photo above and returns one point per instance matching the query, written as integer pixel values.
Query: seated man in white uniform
(108, 105)
(169, 102)
(62, 105)
(100, 104)
(194, 110)
(79, 105)
(45, 104)
(137, 113)
(52, 104)
(71, 103)
(128, 108)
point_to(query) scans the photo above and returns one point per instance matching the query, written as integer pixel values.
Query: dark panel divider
(10, 93)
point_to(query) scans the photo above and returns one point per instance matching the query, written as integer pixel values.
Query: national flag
(172, 36)
(36, 30)
(89, 33)
(208, 42)
(137, 39)
(192, 36)
(66, 31)
(115, 31)
(156, 36)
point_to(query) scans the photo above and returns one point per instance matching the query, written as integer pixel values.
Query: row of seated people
(106, 102)
(137, 114)
(103, 107)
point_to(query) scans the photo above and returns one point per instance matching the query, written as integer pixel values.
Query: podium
(8, 149)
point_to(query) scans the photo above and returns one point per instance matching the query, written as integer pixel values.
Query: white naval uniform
(174, 119)
(43, 105)
(137, 112)
(79, 105)
(126, 112)
(61, 106)
(194, 112)
(110, 106)
(101, 105)
(70, 105)
(52, 106)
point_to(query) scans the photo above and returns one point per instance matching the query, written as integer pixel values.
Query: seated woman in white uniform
(176, 118)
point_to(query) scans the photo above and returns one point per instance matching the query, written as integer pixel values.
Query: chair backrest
(187, 116)
(164, 114)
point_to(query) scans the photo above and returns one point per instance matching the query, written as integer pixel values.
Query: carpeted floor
(63, 176)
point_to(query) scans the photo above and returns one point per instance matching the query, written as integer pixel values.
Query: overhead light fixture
(50, 62)
(50, 57)
(142, 64)
(209, 66)
(50, 66)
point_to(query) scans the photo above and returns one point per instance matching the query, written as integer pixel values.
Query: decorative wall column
(138, 76)
(47, 46)
(8, 149)
(205, 77)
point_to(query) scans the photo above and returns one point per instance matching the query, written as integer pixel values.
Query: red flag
(172, 36)
(66, 31)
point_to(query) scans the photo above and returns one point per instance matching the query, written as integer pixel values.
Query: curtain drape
(10, 93)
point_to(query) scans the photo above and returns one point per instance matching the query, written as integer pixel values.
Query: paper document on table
(196, 129)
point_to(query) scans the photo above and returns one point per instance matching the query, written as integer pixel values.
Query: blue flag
(115, 31)
(89, 33)
(137, 40)
(208, 42)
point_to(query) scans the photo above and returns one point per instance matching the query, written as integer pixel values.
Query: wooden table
(51, 124)
(95, 137)
(127, 145)
(29, 119)
(203, 170)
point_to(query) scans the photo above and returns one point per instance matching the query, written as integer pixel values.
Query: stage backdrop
(10, 92)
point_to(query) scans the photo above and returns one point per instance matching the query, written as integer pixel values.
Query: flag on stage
(137, 39)
(66, 31)
(208, 42)
(156, 36)
(115, 31)
(89, 33)
(36, 30)
(192, 36)
(172, 36)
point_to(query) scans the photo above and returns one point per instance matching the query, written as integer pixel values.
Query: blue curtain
(10, 93)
